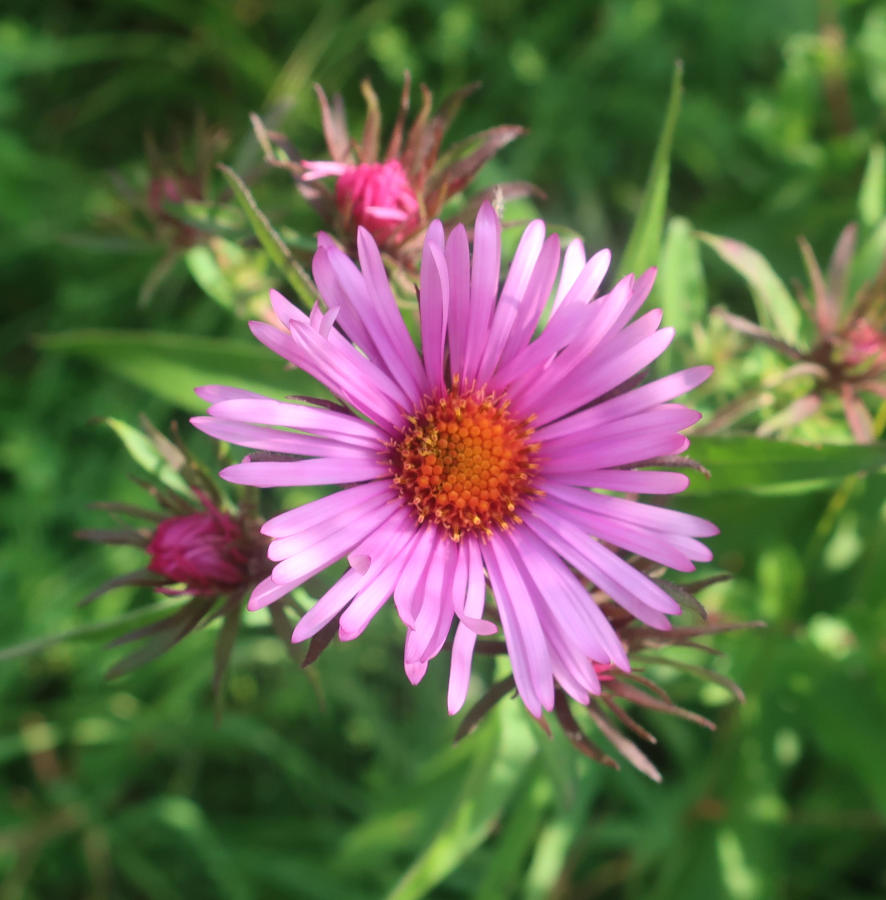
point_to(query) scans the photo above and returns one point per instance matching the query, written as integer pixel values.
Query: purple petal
(629, 588)
(485, 268)
(631, 402)
(434, 311)
(527, 647)
(267, 592)
(260, 437)
(305, 472)
(329, 548)
(458, 262)
(317, 512)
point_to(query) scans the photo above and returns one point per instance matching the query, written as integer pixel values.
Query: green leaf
(224, 646)
(272, 243)
(873, 187)
(869, 259)
(504, 749)
(762, 466)
(170, 365)
(776, 308)
(680, 288)
(146, 453)
(100, 629)
(204, 269)
(644, 243)
(515, 839)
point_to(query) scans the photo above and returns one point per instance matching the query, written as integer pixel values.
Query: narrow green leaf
(869, 259)
(503, 874)
(644, 243)
(160, 636)
(680, 289)
(272, 243)
(145, 452)
(872, 192)
(504, 748)
(776, 308)
(224, 646)
(101, 629)
(170, 365)
(204, 269)
(762, 466)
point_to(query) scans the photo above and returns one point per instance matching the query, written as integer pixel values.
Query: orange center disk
(465, 463)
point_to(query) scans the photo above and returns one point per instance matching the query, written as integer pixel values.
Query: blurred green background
(343, 782)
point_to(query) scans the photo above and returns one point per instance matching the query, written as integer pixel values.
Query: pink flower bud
(379, 197)
(203, 551)
(865, 344)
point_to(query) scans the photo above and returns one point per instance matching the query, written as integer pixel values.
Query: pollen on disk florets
(464, 462)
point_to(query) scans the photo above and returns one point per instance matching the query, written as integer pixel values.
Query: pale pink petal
(336, 518)
(328, 606)
(379, 288)
(574, 260)
(513, 293)
(606, 452)
(629, 588)
(590, 381)
(582, 287)
(465, 637)
(630, 403)
(627, 536)
(434, 599)
(322, 169)
(407, 588)
(313, 514)
(530, 391)
(564, 595)
(213, 393)
(637, 482)
(646, 515)
(670, 417)
(268, 591)
(329, 548)
(324, 422)
(642, 287)
(434, 308)
(352, 377)
(305, 472)
(260, 437)
(527, 647)
(533, 300)
(485, 268)
(533, 360)
(458, 262)
(381, 576)
(415, 671)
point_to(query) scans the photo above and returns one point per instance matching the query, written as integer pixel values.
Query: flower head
(393, 196)
(487, 460)
(846, 355)
(378, 197)
(206, 552)
(197, 551)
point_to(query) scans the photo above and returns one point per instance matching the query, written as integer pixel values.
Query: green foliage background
(343, 783)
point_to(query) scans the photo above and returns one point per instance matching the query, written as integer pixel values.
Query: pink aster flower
(478, 463)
